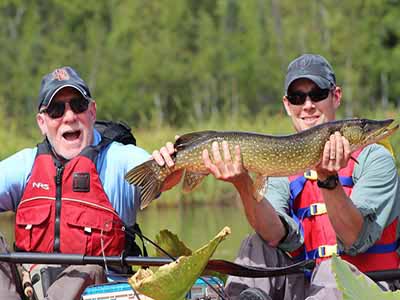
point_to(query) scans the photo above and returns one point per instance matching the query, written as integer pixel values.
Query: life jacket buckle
(311, 175)
(317, 209)
(327, 250)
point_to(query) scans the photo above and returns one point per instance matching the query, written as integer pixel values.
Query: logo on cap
(60, 74)
(304, 63)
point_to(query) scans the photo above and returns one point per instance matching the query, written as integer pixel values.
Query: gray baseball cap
(313, 67)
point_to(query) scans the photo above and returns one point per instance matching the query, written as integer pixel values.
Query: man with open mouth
(69, 193)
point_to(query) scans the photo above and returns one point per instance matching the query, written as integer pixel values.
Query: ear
(286, 104)
(337, 97)
(41, 123)
(93, 110)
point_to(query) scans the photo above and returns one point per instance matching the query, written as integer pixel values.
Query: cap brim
(318, 80)
(78, 88)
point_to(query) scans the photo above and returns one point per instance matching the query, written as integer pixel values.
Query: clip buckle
(327, 250)
(317, 209)
(311, 175)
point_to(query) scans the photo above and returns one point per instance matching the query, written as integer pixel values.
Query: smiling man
(69, 193)
(341, 207)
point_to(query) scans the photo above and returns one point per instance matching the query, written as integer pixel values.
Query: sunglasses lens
(297, 98)
(79, 105)
(319, 95)
(56, 110)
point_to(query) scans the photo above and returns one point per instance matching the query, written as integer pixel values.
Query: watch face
(329, 183)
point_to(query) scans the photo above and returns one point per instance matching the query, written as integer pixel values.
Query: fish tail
(146, 177)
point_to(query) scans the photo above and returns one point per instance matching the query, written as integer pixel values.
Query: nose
(308, 103)
(69, 115)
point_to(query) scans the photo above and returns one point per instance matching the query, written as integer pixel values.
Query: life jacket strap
(328, 250)
(315, 209)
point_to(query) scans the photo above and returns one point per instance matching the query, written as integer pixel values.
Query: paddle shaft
(221, 266)
(218, 265)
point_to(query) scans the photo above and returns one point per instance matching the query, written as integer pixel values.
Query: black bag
(116, 131)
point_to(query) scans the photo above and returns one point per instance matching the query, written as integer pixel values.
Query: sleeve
(14, 173)
(113, 164)
(278, 194)
(375, 193)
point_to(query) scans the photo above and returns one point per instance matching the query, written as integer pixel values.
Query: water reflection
(195, 226)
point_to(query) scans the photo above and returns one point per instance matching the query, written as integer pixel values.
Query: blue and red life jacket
(308, 209)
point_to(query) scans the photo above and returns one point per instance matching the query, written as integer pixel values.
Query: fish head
(362, 132)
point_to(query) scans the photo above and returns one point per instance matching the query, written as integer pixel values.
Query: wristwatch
(329, 183)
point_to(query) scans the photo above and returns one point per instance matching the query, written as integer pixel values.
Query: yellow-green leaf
(356, 287)
(171, 244)
(173, 281)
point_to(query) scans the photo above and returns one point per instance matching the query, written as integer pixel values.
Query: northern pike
(265, 155)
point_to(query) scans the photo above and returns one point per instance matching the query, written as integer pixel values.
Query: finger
(346, 149)
(170, 148)
(227, 157)
(238, 155)
(332, 153)
(227, 153)
(206, 158)
(209, 165)
(217, 156)
(166, 156)
(326, 154)
(339, 147)
(158, 158)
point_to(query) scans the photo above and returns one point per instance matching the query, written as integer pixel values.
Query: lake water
(195, 226)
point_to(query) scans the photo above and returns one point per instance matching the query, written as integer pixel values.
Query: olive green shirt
(376, 194)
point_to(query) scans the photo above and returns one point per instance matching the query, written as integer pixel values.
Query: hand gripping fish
(265, 155)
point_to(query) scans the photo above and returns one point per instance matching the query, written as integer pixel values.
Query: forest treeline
(177, 61)
(168, 66)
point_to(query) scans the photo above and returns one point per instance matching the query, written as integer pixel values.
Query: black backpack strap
(116, 131)
(131, 247)
(110, 131)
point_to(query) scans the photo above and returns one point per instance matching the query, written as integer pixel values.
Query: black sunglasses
(57, 108)
(316, 95)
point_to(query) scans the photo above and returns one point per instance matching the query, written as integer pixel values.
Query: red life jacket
(65, 209)
(308, 209)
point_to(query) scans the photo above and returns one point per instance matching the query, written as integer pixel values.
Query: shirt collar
(96, 137)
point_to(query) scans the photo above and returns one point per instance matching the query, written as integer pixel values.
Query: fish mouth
(388, 127)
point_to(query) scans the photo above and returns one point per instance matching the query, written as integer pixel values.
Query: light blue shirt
(112, 164)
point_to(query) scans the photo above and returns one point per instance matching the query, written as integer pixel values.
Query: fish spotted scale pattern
(265, 155)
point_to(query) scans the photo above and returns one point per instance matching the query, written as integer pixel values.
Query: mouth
(72, 135)
(310, 119)
(385, 131)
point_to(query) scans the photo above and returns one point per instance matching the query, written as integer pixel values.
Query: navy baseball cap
(313, 67)
(57, 80)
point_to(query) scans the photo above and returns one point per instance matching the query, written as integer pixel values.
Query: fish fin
(191, 181)
(145, 177)
(189, 138)
(260, 187)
